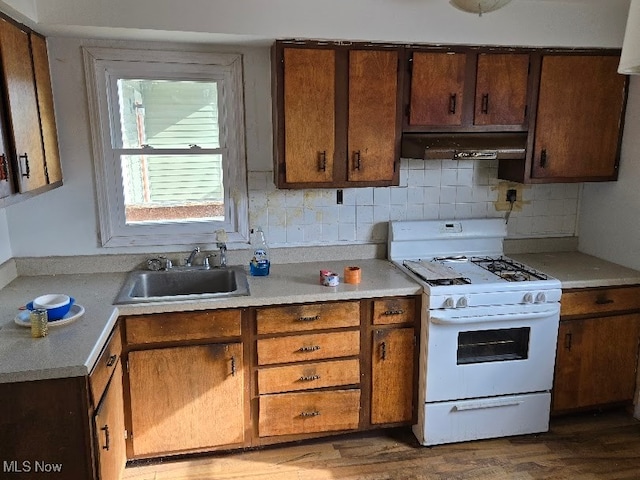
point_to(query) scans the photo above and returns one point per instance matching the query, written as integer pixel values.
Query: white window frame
(102, 66)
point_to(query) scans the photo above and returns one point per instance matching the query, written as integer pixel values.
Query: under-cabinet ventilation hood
(464, 146)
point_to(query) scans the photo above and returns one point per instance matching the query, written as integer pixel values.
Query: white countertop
(72, 349)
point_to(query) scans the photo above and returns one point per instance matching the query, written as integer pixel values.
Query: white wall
(610, 212)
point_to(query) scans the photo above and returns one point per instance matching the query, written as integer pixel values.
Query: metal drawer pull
(112, 359)
(312, 348)
(603, 301)
(543, 158)
(4, 168)
(310, 414)
(107, 442)
(393, 312)
(356, 160)
(309, 319)
(481, 405)
(309, 378)
(485, 103)
(25, 157)
(567, 341)
(383, 351)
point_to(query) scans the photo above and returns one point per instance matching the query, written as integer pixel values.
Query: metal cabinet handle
(383, 351)
(315, 413)
(4, 168)
(485, 104)
(604, 301)
(393, 312)
(453, 100)
(107, 440)
(233, 366)
(567, 341)
(543, 158)
(309, 378)
(322, 161)
(356, 160)
(309, 319)
(111, 360)
(25, 157)
(311, 348)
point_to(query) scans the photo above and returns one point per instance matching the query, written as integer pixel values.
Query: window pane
(172, 188)
(168, 113)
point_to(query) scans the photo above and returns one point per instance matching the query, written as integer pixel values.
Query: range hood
(464, 146)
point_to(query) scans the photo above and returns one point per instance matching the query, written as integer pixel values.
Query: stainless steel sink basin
(183, 284)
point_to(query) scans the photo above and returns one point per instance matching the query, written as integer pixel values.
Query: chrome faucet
(189, 261)
(223, 253)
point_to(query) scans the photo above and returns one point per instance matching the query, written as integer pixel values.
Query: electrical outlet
(512, 195)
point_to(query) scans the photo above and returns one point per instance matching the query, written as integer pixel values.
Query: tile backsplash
(447, 189)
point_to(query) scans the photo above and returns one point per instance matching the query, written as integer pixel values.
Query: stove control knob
(541, 297)
(449, 303)
(462, 302)
(528, 298)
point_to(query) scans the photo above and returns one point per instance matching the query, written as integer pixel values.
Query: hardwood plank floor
(585, 447)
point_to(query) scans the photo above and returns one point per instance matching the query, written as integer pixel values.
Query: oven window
(493, 345)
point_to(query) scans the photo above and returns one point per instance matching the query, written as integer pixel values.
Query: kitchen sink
(183, 283)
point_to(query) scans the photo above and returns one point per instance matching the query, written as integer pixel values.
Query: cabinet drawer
(599, 300)
(291, 413)
(299, 318)
(315, 346)
(308, 376)
(105, 366)
(394, 310)
(167, 327)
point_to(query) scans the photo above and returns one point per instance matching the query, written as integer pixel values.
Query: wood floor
(584, 447)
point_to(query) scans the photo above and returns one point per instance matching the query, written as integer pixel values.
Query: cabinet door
(45, 106)
(6, 185)
(579, 117)
(392, 375)
(22, 105)
(186, 398)
(309, 114)
(501, 89)
(373, 89)
(596, 361)
(437, 86)
(109, 428)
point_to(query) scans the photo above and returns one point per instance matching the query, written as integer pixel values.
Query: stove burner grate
(509, 269)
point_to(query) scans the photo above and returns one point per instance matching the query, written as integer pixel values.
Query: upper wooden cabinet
(336, 115)
(579, 114)
(32, 158)
(467, 90)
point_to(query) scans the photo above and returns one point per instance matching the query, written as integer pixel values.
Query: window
(168, 143)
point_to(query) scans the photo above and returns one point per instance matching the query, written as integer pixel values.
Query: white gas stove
(489, 329)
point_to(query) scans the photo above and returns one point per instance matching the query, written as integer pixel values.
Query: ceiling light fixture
(630, 58)
(478, 6)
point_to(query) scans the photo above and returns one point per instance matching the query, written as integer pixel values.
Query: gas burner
(508, 269)
(440, 282)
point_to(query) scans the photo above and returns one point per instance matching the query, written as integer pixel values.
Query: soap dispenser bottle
(259, 264)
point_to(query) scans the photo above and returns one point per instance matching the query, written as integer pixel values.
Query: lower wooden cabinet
(109, 429)
(392, 375)
(598, 346)
(186, 398)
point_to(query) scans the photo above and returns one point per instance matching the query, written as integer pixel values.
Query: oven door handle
(450, 320)
(481, 405)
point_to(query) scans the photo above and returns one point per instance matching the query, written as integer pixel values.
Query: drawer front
(105, 366)
(394, 310)
(168, 327)
(308, 376)
(599, 300)
(302, 348)
(300, 318)
(295, 413)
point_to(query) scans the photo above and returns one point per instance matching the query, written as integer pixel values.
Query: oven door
(488, 351)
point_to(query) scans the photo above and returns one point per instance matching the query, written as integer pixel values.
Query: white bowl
(51, 300)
